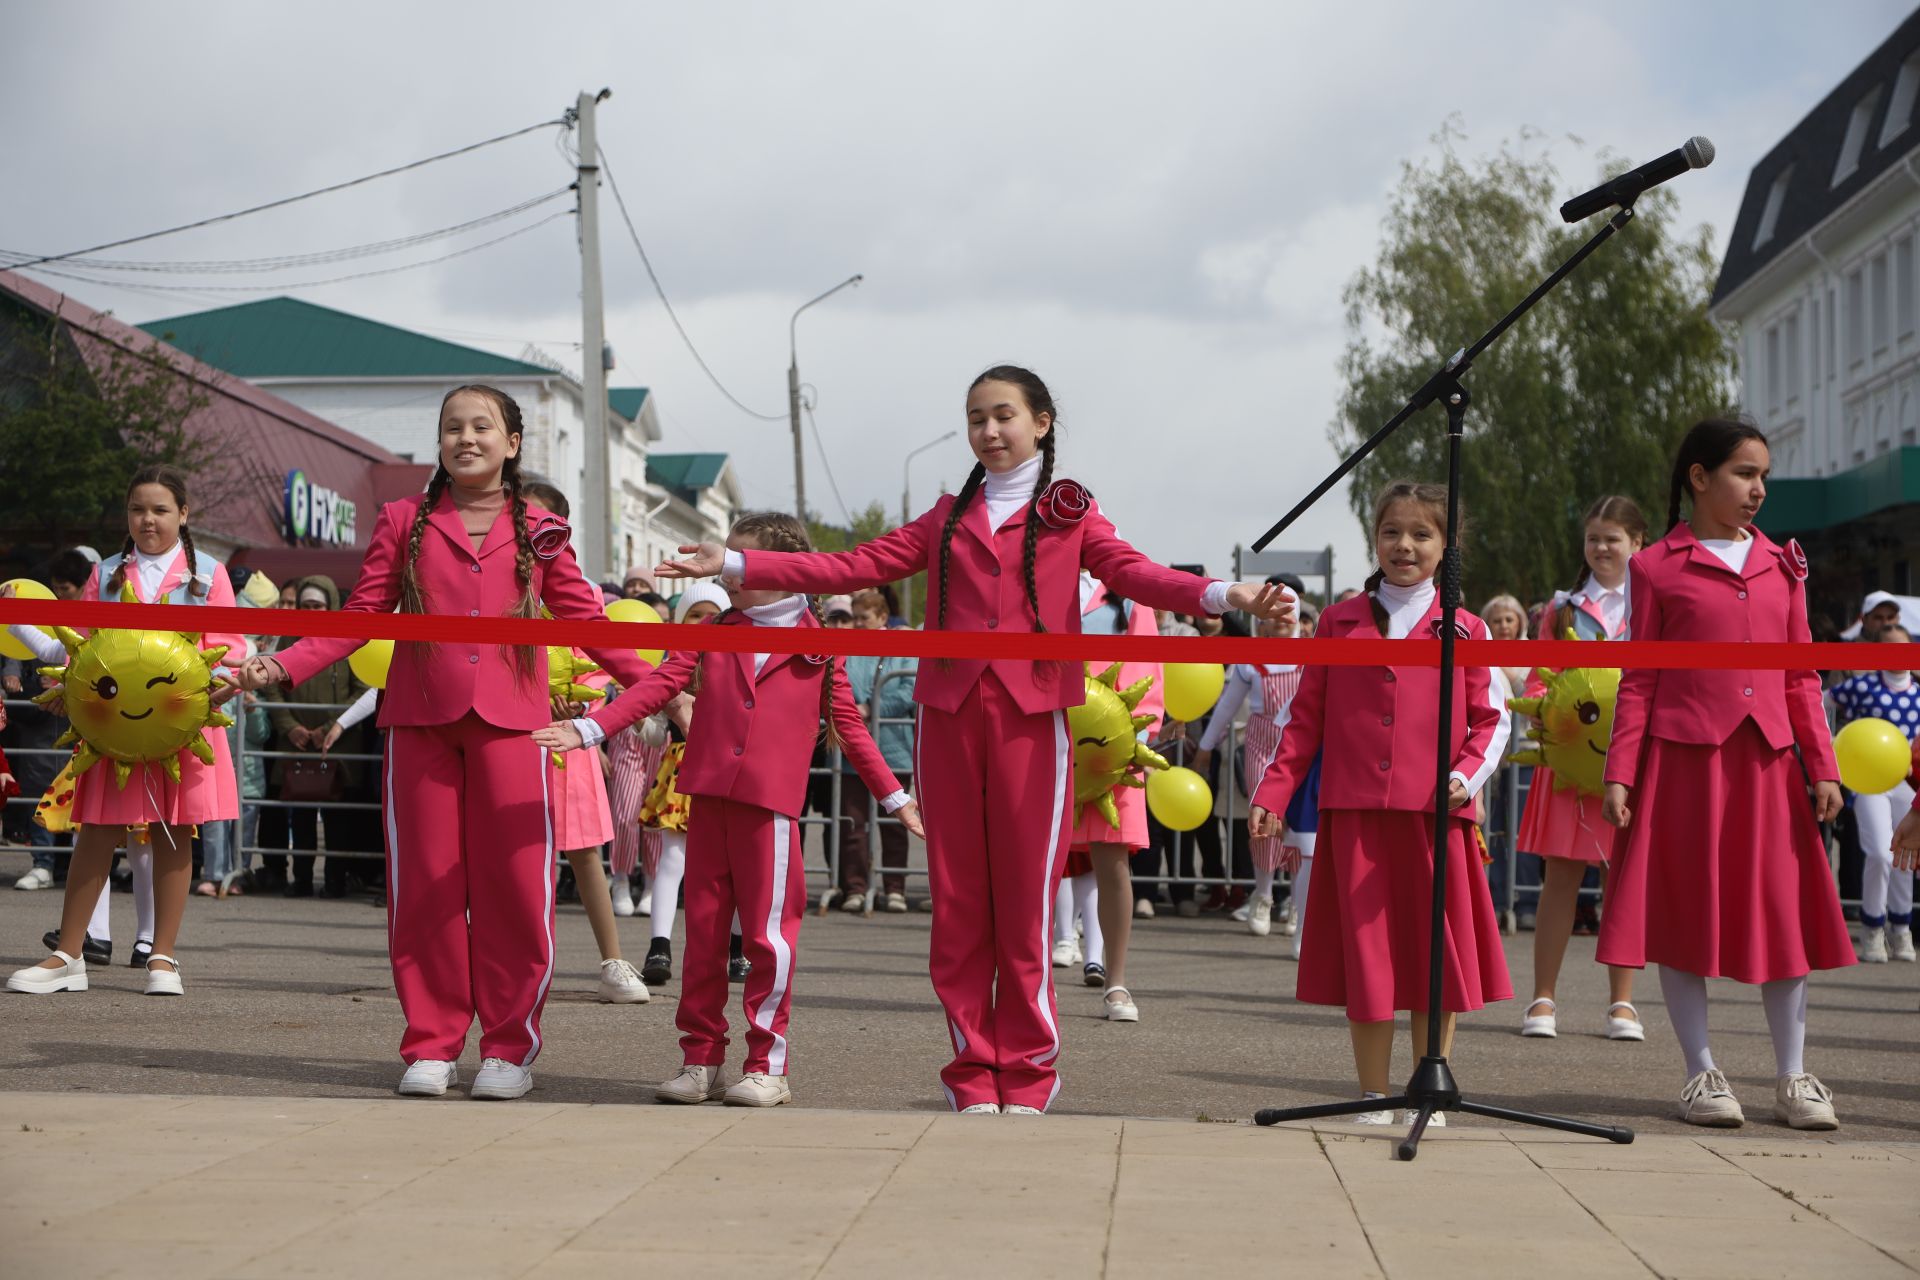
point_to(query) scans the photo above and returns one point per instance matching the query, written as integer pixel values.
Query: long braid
(193, 562)
(1030, 550)
(826, 691)
(975, 479)
(526, 658)
(119, 578)
(1381, 622)
(1673, 499)
(413, 596)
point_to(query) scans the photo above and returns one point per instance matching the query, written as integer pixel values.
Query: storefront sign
(317, 514)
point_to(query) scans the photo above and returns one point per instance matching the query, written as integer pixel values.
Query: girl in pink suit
(745, 767)
(469, 821)
(1565, 827)
(583, 820)
(1103, 611)
(995, 761)
(1369, 919)
(159, 563)
(1720, 870)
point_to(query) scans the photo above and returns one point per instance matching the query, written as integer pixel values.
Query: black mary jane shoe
(93, 950)
(142, 949)
(738, 966)
(657, 969)
(1094, 975)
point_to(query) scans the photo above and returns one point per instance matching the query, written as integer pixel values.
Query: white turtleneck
(781, 613)
(1405, 606)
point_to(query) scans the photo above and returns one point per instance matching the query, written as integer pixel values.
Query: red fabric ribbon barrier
(841, 642)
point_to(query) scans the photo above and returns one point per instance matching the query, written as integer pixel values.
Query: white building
(385, 384)
(1821, 288)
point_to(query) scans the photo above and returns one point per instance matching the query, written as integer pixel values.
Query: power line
(698, 359)
(826, 466)
(305, 195)
(225, 266)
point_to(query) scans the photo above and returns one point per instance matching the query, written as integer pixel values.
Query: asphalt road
(294, 998)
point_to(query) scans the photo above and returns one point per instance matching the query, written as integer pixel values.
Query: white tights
(1080, 896)
(1785, 1002)
(140, 859)
(665, 885)
(1885, 894)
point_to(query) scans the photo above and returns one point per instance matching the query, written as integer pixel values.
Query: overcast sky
(1154, 206)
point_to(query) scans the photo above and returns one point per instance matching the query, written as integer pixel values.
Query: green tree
(1586, 395)
(74, 425)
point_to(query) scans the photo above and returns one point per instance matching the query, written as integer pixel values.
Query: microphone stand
(1432, 1087)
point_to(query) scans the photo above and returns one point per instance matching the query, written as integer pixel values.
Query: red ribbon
(1669, 655)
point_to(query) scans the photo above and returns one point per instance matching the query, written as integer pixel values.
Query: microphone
(1696, 153)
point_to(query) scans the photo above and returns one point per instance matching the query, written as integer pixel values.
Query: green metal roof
(288, 338)
(686, 471)
(626, 401)
(1806, 505)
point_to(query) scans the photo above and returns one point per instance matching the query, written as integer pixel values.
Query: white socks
(1785, 1002)
(140, 859)
(665, 885)
(1262, 883)
(1086, 902)
(1063, 911)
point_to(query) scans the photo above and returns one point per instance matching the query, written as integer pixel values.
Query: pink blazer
(439, 683)
(1679, 590)
(173, 590)
(985, 590)
(1384, 721)
(752, 741)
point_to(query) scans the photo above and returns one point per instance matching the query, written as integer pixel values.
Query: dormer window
(1770, 214)
(1906, 87)
(1856, 140)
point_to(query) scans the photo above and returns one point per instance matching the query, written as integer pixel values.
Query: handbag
(308, 781)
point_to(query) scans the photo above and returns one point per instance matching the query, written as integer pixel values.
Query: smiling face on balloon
(135, 696)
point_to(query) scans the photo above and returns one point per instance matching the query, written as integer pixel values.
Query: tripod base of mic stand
(1432, 1090)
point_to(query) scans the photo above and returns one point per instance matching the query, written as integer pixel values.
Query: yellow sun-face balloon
(1576, 725)
(564, 672)
(134, 697)
(1106, 752)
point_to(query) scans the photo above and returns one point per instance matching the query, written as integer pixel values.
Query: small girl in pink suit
(1719, 869)
(1564, 827)
(1369, 919)
(159, 565)
(745, 768)
(469, 817)
(994, 766)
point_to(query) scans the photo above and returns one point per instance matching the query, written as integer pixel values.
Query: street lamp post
(906, 511)
(793, 398)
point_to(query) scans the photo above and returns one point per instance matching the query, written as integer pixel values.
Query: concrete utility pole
(793, 399)
(597, 497)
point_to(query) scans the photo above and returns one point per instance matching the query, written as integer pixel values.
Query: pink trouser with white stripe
(995, 787)
(742, 858)
(470, 877)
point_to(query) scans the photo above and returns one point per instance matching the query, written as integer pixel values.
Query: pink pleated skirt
(205, 792)
(1563, 824)
(1369, 916)
(1723, 872)
(1092, 829)
(581, 816)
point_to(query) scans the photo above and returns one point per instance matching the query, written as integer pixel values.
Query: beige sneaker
(1900, 943)
(693, 1084)
(1708, 1100)
(1800, 1101)
(758, 1089)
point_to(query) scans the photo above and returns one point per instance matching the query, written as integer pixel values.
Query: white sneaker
(1873, 945)
(620, 983)
(1187, 909)
(1122, 1009)
(428, 1078)
(1143, 908)
(1800, 1101)
(1288, 925)
(896, 904)
(981, 1109)
(40, 980)
(1900, 942)
(1242, 911)
(1016, 1109)
(1708, 1100)
(693, 1084)
(758, 1089)
(1373, 1117)
(164, 982)
(1627, 1028)
(1066, 953)
(1544, 1026)
(854, 904)
(622, 897)
(1260, 916)
(1438, 1120)
(37, 878)
(499, 1080)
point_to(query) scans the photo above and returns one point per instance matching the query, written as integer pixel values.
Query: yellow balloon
(1192, 688)
(1179, 798)
(136, 696)
(23, 589)
(637, 611)
(1874, 756)
(371, 661)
